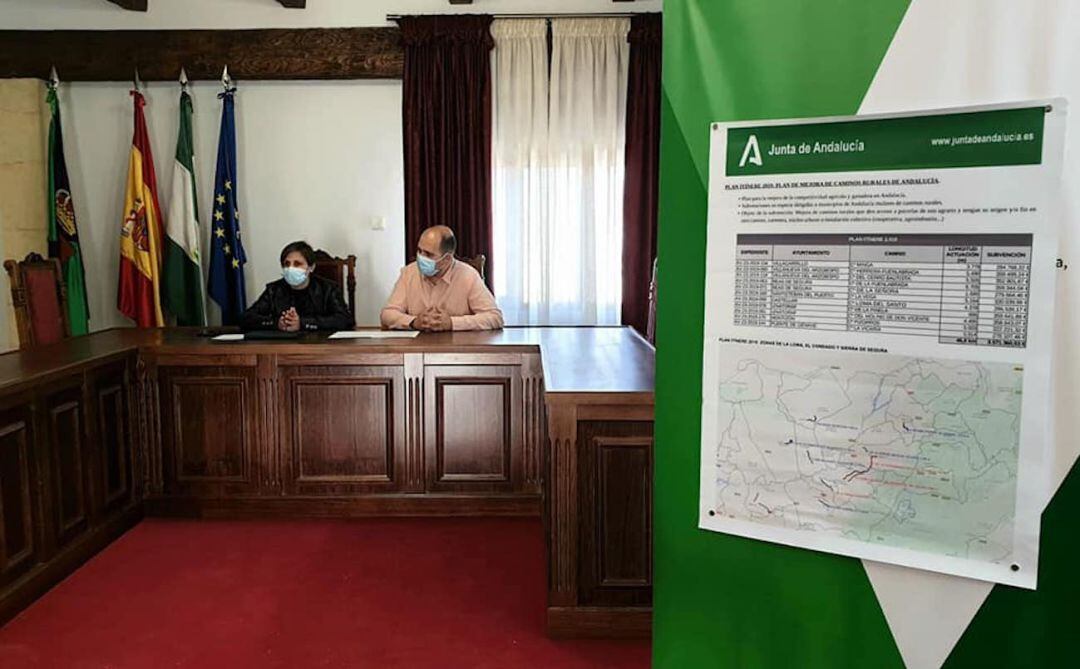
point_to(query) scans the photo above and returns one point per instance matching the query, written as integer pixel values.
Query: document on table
(375, 334)
(237, 336)
(878, 335)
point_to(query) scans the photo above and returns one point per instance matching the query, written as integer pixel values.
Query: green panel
(722, 600)
(727, 60)
(972, 139)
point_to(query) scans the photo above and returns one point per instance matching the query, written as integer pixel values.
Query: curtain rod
(594, 15)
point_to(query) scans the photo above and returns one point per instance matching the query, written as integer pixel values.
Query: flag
(63, 233)
(227, 256)
(182, 291)
(139, 295)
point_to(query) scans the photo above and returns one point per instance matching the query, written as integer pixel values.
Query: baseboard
(599, 622)
(40, 579)
(346, 507)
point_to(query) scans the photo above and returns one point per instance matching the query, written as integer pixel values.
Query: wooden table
(99, 430)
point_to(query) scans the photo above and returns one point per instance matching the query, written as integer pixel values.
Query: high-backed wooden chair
(341, 271)
(40, 300)
(478, 262)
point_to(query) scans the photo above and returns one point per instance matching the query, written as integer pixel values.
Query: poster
(878, 333)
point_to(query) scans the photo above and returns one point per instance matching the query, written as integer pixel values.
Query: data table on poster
(963, 289)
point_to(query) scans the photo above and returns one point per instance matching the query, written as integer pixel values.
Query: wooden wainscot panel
(19, 512)
(70, 461)
(474, 419)
(615, 521)
(111, 398)
(343, 429)
(208, 429)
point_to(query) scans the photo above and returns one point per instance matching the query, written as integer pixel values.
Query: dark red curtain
(446, 115)
(642, 167)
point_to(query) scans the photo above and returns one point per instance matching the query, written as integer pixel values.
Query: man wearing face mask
(299, 300)
(437, 293)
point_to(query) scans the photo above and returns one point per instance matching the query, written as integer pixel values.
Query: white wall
(317, 160)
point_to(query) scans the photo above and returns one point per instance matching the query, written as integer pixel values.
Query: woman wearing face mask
(299, 300)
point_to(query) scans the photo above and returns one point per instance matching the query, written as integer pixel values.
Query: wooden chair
(341, 271)
(650, 330)
(39, 297)
(478, 262)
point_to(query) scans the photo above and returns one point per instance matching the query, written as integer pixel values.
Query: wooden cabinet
(208, 428)
(19, 499)
(615, 513)
(67, 483)
(343, 429)
(397, 433)
(69, 457)
(111, 429)
(599, 497)
(473, 437)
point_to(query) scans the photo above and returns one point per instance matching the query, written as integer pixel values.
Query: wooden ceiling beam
(113, 55)
(133, 5)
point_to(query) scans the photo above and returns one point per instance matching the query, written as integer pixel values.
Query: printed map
(902, 452)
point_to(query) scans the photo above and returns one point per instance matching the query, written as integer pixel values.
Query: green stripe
(182, 288)
(185, 145)
(78, 313)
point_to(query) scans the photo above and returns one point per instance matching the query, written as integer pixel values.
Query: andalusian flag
(182, 293)
(63, 234)
(140, 237)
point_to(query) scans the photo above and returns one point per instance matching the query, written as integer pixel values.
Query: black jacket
(320, 305)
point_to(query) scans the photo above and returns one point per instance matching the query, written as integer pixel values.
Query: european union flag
(227, 258)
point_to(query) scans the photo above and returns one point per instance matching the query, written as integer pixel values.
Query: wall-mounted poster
(878, 335)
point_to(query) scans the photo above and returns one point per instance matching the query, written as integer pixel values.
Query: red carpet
(380, 593)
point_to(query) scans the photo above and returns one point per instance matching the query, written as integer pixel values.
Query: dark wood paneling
(599, 622)
(344, 429)
(474, 439)
(615, 513)
(110, 391)
(113, 55)
(18, 542)
(69, 458)
(208, 427)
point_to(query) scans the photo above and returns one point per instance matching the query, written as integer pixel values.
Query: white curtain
(558, 161)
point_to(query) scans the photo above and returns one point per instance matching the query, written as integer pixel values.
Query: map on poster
(907, 452)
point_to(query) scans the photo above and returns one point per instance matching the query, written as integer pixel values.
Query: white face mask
(294, 276)
(428, 266)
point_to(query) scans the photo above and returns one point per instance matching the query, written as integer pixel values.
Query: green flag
(63, 234)
(181, 289)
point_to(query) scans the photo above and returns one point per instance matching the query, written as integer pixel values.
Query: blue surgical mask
(428, 266)
(294, 276)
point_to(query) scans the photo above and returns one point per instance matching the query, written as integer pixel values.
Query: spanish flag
(142, 232)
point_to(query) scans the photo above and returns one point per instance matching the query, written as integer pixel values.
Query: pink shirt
(460, 292)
